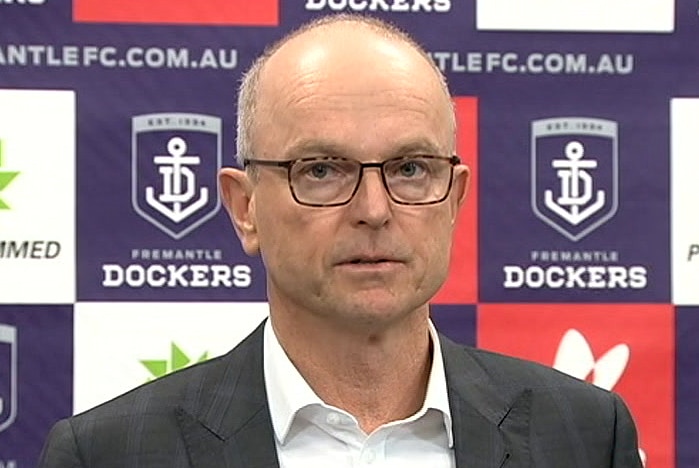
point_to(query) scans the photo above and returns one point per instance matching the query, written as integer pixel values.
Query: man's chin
(374, 308)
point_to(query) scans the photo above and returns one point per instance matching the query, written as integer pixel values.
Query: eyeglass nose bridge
(382, 176)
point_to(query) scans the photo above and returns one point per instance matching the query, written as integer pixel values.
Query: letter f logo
(574, 357)
(5, 179)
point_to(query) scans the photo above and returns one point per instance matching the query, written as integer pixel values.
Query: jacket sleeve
(625, 450)
(60, 449)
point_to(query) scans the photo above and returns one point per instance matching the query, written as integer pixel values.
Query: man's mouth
(358, 261)
(370, 261)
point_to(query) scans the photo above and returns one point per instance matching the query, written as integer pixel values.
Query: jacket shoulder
(562, 414)
(516, 374)
(527, 372)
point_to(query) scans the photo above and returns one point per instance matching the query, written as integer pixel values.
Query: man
(350, 194)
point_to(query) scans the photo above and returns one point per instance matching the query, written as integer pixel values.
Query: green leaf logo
(5, 179)
(178, 360)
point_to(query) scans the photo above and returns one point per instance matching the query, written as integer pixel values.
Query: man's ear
(237, 195)
(459, 189)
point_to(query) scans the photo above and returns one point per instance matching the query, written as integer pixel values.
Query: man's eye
(319, 170)
(410, 169)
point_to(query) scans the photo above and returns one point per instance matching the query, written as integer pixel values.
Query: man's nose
(372, 203)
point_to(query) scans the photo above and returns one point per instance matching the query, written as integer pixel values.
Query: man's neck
(378, 376)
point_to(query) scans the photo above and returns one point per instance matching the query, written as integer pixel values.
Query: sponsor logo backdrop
(578, 246)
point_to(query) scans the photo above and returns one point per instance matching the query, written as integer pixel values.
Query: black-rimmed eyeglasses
(333, 181)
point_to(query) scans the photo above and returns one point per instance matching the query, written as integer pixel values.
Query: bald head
(357, 54)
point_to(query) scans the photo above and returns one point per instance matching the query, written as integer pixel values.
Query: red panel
(462, 284)
(212, 12)
(647, 382)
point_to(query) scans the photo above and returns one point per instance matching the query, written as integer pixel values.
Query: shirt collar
(288, 392)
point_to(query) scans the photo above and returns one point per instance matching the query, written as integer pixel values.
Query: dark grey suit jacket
(506, 413)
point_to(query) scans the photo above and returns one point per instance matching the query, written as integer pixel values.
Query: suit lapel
(225, 422)
(491, 424)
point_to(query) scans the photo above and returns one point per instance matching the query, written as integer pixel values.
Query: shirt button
(369, 456)
(333, 418)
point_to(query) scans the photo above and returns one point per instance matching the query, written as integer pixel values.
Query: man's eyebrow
(417, 147)
(323, 148)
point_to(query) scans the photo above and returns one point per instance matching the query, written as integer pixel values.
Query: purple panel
(36, 377)
(530, 254)
(150, 224)
(458, 322)
(687, 384)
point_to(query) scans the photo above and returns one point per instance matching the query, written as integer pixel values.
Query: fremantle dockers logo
(8, 376)
(175, 159)
(574, 164)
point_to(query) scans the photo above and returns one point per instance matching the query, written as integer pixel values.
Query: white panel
(576, 15)
(37, 134)
(685, 200)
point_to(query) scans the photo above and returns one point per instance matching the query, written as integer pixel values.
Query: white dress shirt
(310, 433)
